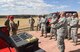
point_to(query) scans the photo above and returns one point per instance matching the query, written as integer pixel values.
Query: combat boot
(45, 36)
(41, 36)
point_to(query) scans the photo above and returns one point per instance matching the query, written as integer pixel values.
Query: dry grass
(24, 22)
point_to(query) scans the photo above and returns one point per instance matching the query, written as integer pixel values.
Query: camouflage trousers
(69, 32)
(74, 34)
(60, 40)
(13, 31)
(53, 31)
(43, 30)
(38, 27)
(31, 27)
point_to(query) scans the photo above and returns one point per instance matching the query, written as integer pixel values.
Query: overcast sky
(37, 6)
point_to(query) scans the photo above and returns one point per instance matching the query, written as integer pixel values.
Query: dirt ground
(45, 43)
(51, 45)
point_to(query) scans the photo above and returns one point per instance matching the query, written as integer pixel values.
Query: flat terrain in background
(24, 22)
(45, 43)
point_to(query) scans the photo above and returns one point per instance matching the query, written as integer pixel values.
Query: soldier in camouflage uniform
(7, 23)
(74, 27)
(13, 26)
(68, 16)
(18, 22)
(61, 33)
(38, 23)
(43, 22)
(31, 22)
(53, 29)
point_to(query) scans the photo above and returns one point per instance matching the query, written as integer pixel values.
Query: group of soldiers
(61, 27)
(65, 25)
(12, 26)
(31, 23)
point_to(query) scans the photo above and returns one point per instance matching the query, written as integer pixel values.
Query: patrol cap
(54, 15)
(74, 13)
(70, 14)
(67, 13)
(62, 14)
(11, 17)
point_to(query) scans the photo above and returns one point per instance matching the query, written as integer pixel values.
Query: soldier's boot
(41, 35)
(51, 37)
(73, 39)
(38, 29)
(45, 35)
(55, 37)
(75, 42)
(69, 37)
(62, 51)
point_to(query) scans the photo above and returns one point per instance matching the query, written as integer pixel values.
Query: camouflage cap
(54, 15)
(67, 13)
(74, 13)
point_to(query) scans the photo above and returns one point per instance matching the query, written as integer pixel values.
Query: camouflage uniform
(53, 29)
(43, 26)
(38, 24)
(18, 22)
(61, 33)
(68, 27)
(31, 22)
(74, 28)
(7, 24)
(14, 27)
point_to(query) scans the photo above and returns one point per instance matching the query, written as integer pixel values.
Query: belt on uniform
(68, 24)
(73, 26)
